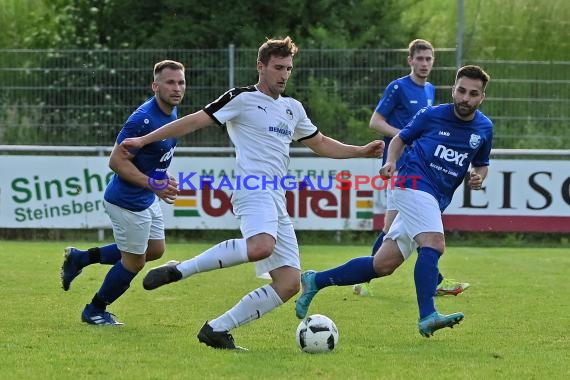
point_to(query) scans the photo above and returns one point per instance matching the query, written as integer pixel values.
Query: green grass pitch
(517, 321)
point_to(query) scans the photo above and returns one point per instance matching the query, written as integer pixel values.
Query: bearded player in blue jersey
(401, 100)
(447, 143)
(132, 198)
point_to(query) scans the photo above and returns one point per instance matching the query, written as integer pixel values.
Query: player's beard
(466, 111)
(167, 97)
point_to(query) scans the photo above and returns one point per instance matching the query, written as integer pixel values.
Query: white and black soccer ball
(317, 333)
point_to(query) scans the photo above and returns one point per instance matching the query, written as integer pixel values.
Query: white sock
(226, 254)
(252, 306)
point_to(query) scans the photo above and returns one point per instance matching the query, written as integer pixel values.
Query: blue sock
(116, 283)
(81, 257)
(425, 276)
(110, 254)
(378, 242)
(439, 275)
(356, 271)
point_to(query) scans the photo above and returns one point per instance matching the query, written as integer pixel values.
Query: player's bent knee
(287, 291)
(260, 247)
(138, 268)
(133, 266)
(295, 288)
(286, 282)
(384, 269)
(434, 241)
(438, 247)
(388, 259)
(259, 253)
(155, 250)
(154, 255)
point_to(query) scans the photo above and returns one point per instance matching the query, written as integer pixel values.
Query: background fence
(82, 97)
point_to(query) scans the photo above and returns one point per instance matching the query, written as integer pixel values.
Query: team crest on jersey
(289, 113)
(474, 141)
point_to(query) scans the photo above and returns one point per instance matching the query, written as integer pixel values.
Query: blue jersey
(443, 148)
(401, 100)
(152, 159)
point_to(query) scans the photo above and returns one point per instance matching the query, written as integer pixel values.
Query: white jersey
(261, 128)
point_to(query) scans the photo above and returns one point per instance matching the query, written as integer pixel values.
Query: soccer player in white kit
(261, 123)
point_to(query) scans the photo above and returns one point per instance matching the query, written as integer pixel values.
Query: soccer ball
(317, 333)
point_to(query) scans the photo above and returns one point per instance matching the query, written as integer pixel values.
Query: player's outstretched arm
(187, 124)
(329, 147)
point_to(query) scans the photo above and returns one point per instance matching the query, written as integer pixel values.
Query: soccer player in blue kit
(132, 198)
(401, 100)
(447, 143)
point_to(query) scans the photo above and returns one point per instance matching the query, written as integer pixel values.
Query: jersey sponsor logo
(474, 140)
(264, 109)
(281, 129)
(413, 102)
(450, 155)
(444, 133)
(168, 155)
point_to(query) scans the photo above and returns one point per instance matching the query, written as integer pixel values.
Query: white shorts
(133, 229)
(266, 212)
(418, 212)
(390, 194)
(390, 199)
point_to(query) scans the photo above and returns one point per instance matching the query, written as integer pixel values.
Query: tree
(175, 24)
(16, 21)
(513, 30)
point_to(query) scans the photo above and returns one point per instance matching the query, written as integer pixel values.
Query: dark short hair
(278, 47)
(417, 45)
(167, 64)
(473, 72)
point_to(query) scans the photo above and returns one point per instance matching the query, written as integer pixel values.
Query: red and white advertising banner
(322, 194)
